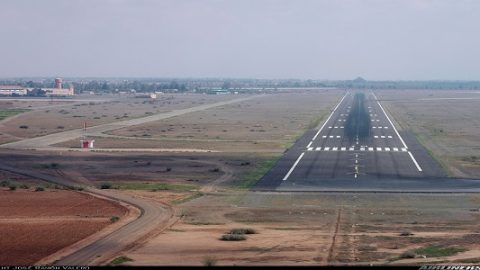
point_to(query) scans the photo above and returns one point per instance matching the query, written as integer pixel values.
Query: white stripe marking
(318, 149)
(338, 137)
(370, 148)
(326, 149)
(379, 149)
(318, 132)
(293, 167)
(335, 149)
(310, 149)
(308, 146)
(344, 148)
(387, 149)
(398, 134)
(395, 149)
(391, 123)
(414, 161)
(324, 136)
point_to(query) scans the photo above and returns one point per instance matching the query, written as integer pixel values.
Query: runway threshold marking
(293, 167)
(334, 109)
(398, 134)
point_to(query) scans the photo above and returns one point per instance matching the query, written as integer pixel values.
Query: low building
(12, 90)
(59, 92)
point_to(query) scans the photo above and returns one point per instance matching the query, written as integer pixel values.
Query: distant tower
(58, 83)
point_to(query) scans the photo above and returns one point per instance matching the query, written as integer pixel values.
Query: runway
(385, 160)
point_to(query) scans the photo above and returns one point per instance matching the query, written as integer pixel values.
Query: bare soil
(36, 224)
(312, 229)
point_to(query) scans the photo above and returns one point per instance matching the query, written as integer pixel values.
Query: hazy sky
(318, 39)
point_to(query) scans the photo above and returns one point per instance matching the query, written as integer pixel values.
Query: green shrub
(39, 189)
(5, 183)
(437, 251)
(106, 186)
(233, 237)
(120, 260)
(114, 219)
(406, 233)
(407, 255)
(243, 231)
(12, 187)
(209, 261)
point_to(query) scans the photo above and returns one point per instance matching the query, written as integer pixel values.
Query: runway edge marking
(336, 107)
(293, 167)
(398, 134)
(414, 161)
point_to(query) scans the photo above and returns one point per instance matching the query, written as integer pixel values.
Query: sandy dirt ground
(36, 224)
(445, 122)
(312, 229)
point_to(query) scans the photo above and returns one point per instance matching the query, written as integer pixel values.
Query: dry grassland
(47, 120)
(445, 122)
(267, 124)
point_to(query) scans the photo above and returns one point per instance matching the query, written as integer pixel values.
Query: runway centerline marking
(293, 167)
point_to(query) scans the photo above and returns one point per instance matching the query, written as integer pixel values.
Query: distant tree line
(113, 85)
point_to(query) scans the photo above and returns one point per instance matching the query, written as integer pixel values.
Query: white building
(59, 92)
(10, 90)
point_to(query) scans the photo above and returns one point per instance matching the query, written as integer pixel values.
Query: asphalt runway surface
(326, 159)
